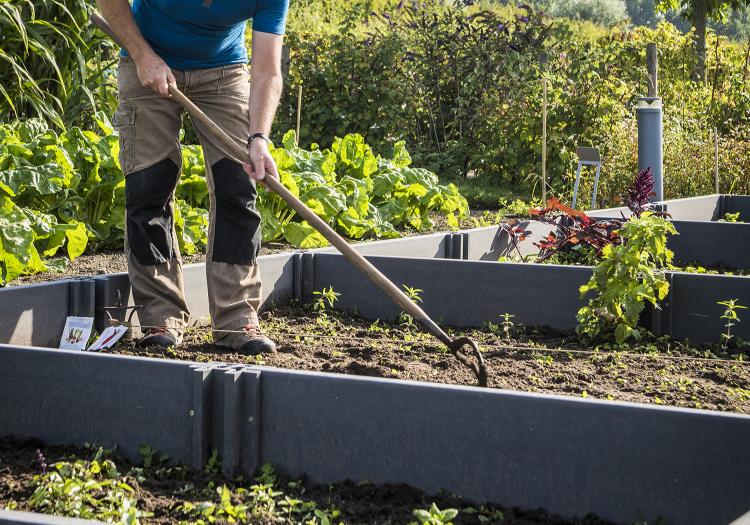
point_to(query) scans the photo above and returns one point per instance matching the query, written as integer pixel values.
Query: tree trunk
(699, 19)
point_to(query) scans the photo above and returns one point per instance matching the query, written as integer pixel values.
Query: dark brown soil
(114, 261)
(161, 489)
(661, 371)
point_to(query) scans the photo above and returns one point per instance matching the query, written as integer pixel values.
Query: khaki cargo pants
(149, 127)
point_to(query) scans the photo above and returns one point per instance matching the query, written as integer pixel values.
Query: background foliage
(390, 76)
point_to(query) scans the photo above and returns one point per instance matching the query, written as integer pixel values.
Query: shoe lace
(253, 330)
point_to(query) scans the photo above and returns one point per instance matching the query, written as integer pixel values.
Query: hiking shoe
(252, 341)
(159, 337)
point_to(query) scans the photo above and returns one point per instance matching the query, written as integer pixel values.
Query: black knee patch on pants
(148, 199)
(236, 221)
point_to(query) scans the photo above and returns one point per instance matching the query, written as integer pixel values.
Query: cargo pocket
(124, 123)
(234, 82)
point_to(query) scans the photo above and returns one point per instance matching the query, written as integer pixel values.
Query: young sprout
(507, 324)
(731, 318)
(413, 294)
(325, 297)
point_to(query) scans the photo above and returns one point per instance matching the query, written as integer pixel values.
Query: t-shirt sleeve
(271, 17)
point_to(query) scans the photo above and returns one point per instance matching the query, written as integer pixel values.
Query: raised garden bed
(621, 461)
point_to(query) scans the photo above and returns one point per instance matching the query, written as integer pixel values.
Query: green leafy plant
(731, 318)
(88, 489)
(434, 516)
(628, 275)
(731, 217)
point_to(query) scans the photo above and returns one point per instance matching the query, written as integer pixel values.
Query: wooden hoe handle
(241, 153)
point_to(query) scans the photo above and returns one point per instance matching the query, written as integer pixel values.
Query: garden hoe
(456, 346)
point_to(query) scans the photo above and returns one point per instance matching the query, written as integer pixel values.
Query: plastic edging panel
(622, 461)
(12, 517)
(461, 293)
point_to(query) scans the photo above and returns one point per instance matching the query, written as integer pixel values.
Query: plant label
(109, 337)
(76, 334)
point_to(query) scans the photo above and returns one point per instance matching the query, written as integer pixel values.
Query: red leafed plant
(640, 191)
(579, 238)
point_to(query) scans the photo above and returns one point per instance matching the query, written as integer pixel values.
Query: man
(197, 45)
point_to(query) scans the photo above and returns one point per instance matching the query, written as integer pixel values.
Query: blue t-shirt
(197, 34)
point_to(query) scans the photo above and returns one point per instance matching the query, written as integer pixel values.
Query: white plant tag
(109, 337)
(76, 334)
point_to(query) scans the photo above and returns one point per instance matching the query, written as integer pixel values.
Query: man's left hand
(262, 162)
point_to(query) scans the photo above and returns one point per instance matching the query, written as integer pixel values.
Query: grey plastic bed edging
(12, 517)
(454, 292)
(703, 208)
(622, 461)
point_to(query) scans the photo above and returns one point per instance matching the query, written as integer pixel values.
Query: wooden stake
(716, 159)
(652, 63)
(299, 110)
(544, 141)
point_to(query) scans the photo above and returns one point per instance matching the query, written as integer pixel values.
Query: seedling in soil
(413, 294)
(326, 299)
(434, 516)
(507, 324)
(68, 489)
(731, 318)
(213, 465)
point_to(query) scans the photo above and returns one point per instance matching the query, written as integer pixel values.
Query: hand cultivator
(455, 346)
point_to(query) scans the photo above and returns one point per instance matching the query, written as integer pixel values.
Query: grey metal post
(650, 145)
(649, 117)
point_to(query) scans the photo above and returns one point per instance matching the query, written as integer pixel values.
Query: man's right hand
(154, 73)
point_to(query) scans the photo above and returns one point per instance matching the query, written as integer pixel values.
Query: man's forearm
(119, 15)
(265, 92)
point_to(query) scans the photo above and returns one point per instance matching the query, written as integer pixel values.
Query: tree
(698, 12)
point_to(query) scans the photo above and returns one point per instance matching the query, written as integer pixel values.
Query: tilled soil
(660, 371)
(160, 490)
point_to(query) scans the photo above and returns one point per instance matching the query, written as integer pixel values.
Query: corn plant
(54, 64)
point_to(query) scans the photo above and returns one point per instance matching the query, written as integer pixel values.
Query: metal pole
(299, 110)
(716, 159)
(544, 140)
(652, 63)
(649, 117)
